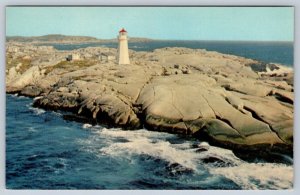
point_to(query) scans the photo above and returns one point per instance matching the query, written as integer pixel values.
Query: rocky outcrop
(214, 97)
(196, 105)
(30, 76)
(31, 91)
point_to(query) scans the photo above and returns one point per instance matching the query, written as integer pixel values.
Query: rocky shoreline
(230, 101)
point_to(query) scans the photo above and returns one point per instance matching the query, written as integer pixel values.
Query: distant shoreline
(268, 52)
(70, 39)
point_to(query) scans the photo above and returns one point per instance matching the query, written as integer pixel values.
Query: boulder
(29, 77)
(31, 91)
(12, 75)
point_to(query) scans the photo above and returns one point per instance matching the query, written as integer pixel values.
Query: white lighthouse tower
(123, 57)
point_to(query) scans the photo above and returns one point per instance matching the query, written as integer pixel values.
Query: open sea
(44, 151)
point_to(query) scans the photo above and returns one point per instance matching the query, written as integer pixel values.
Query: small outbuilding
(107, 57)
(74, 56)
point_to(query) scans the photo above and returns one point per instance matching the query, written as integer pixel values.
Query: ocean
(269, 52)
(44, 151)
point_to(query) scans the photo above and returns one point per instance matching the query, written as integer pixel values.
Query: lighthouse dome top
(122, 30)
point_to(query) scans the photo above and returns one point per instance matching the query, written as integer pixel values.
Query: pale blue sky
(179, 23)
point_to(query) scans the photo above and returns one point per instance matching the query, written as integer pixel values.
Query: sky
(173, 23)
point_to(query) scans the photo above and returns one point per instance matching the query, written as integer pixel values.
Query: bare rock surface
(228, 100)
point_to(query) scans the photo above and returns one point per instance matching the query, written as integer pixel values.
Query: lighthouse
(123, 56)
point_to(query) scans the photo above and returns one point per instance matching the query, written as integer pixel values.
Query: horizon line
(153, 39)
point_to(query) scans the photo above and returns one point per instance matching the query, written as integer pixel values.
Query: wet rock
(201, 147)
(218, 161)
(201, 150)
(175, 169)
(259, 155)
(258, 66)
(78, 118)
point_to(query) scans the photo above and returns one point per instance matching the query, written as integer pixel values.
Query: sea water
(269, 52)
(44, 151)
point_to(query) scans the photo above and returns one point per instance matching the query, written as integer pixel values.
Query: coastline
(281, 52)
(139, 95)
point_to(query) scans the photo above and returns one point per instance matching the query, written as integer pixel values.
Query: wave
(37, 111)
(259, 175)
(156, 145)
(86, 126)
(215, 160)
(136, 47)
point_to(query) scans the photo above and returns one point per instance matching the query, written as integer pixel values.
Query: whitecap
(22, 97)
(57, 113)
(155, 144)
(32, 129)
(258, 175)
(134, 134)
(162, 150)
(86, 126)
(37, 111)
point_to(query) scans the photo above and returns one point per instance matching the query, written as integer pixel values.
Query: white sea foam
(32, 129)
(56, 113)
(259, 175)
(135, 46)
(156, 144)
(38, 97)
(136, 134)
(37, 111)
(146, 142)
(86, 126)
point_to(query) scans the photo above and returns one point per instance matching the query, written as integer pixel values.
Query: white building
(123, 56)
(74, 56)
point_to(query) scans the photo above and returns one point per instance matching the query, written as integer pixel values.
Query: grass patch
(11, 62)
(71, 65)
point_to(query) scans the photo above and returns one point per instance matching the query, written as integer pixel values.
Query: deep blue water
(43, 151)
(276, 52)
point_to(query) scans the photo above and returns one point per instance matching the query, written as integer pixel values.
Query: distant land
(67, 39)
(58, 38)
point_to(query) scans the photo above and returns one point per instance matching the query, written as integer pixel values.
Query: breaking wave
(192, 156)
